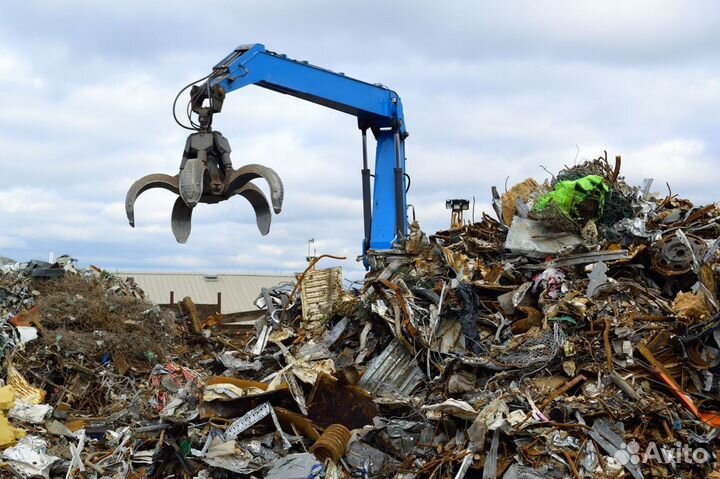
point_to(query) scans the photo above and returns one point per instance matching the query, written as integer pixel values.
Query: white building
(237, 291)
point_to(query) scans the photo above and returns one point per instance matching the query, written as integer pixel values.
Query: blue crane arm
(376, 107)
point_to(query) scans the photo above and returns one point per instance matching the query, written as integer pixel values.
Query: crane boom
(206, 160)
(374, 105)
(376, 108)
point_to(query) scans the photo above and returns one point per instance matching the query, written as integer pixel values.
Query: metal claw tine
(242, 176)
(157, 180)
(259, 202)
(181, 220)
(191, 179)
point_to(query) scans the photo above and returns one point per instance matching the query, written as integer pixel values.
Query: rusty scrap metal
(434, 364)
(320, 288)
(187, 306)
(332, 444)
(674, 257)
(562, 390)
(301, 278)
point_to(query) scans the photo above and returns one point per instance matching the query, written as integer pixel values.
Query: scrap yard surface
(576, 334)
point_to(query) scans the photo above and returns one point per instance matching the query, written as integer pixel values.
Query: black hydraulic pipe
(367, 202)
(399, 191)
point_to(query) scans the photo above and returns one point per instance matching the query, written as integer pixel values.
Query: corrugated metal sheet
(238, 290)
(393, 371)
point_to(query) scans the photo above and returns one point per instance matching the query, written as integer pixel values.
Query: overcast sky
(491, 90)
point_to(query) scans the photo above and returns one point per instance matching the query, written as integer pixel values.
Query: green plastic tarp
(569, 194)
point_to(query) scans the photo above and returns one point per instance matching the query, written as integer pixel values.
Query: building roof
(239, 291)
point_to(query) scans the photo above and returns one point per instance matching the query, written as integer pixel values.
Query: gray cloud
(491, 91)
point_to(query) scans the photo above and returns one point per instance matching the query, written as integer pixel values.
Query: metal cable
(174, 105)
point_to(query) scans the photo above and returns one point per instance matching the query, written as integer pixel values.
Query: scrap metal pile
(577, 336)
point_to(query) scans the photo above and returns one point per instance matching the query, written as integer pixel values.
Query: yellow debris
(24, 392)
(8, 433)
(7, 398)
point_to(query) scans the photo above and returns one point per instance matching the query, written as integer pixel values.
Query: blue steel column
(384, 229)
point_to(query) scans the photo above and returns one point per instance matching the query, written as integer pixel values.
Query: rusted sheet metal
(333, 402)
(319, 288)
(187, 306)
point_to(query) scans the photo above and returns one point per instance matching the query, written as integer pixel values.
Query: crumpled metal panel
(532, 238)
(319, 288)
(393, 371)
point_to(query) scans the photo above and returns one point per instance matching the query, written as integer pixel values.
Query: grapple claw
(181, 220)
(191, 181)
(259, 202)
(206, 176)
(240, 177)
(157, 180)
